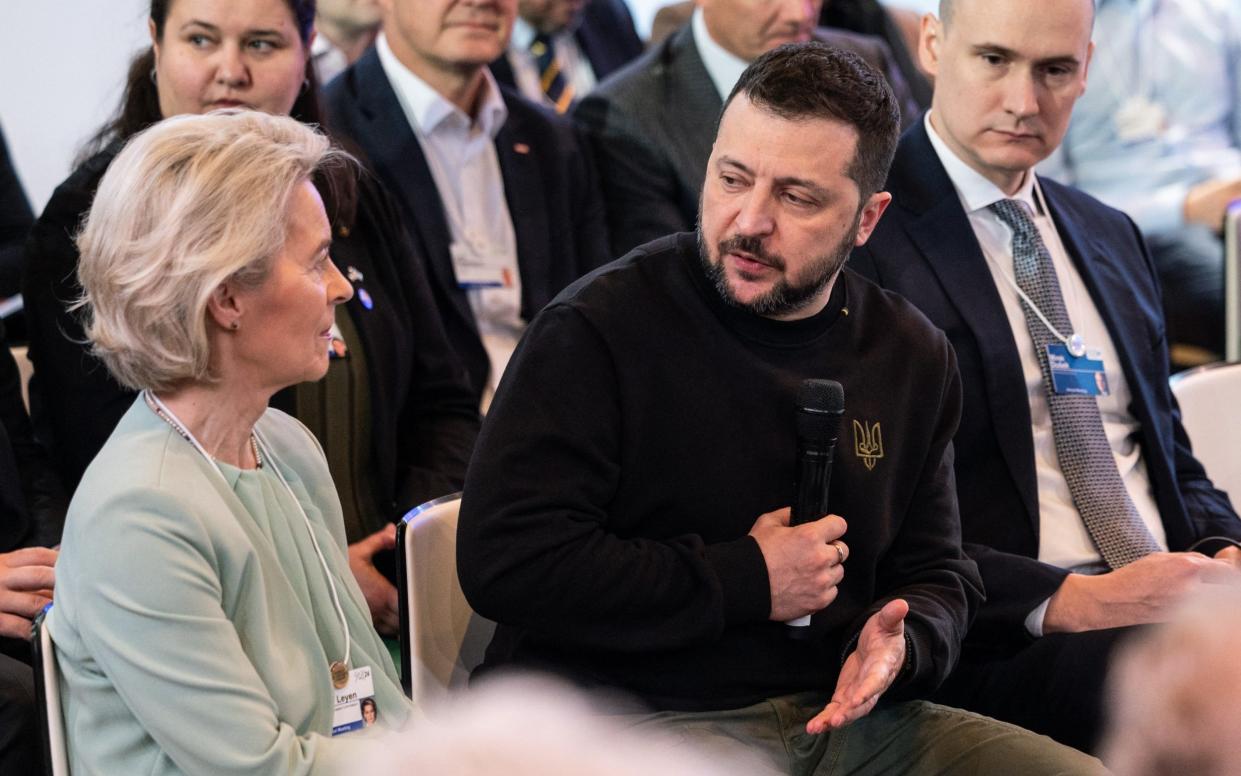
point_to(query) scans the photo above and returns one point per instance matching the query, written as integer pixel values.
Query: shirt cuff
(1034, 620)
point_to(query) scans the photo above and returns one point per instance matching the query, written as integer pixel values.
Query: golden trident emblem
(868, 442)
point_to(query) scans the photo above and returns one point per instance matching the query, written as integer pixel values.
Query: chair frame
(1190, 374)
(1232, 283)
(47, 696)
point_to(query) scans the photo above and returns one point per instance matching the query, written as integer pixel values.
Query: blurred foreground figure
(1174, 694)
(538, 727)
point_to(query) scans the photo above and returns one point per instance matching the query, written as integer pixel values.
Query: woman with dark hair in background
(395, 415)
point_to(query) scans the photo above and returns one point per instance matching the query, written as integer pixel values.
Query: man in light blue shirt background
(1158, 135)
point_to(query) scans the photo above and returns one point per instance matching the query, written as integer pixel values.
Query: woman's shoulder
(292, 443)
(73, 196)
(142, 455)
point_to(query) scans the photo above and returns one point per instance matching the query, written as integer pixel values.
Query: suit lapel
(398, 158)
(942, 232)
(527, 203)
(594, 47)
(1106, 281)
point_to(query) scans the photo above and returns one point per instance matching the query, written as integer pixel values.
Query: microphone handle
(814, 478)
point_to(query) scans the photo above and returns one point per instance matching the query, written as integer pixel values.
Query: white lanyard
(336, 668)
(1074, 342)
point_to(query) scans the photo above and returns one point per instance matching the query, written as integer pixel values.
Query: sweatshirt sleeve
(926, 564)
(537, 545)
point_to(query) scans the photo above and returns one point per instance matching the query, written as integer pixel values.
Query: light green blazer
(193, 622)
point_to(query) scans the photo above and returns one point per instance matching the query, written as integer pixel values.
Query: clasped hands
(805, 565)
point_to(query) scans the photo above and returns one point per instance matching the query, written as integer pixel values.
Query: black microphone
(820, 404)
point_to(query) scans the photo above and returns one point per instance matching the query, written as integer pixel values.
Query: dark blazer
(605, 35)
(425, 415)
(653, 124)
(15, 221)
(32, 502)
(74, 402)
(549, 182)
(871, 17)
(925, 249)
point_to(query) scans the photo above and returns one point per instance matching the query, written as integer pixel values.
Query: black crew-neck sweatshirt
(642, 427)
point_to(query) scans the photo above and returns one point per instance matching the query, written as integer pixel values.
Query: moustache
(753, 246)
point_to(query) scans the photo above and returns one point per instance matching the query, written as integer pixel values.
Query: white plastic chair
(442, 639)
(1232, 283)
(25, 369)
(1210, 399)
(47, 694)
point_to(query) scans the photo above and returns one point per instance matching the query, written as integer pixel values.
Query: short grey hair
(187, 204)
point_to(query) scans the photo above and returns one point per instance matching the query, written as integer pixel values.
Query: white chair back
(442, 639)
(25, 369)
(1210, 399)
(1232, 283)
(47, 694)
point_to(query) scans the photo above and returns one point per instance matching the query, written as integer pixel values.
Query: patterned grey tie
(1082, 448)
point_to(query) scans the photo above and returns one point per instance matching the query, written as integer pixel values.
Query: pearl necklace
(158, 409)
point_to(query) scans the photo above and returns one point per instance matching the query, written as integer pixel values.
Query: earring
(235, 325)
(305, 84)
(152, 74)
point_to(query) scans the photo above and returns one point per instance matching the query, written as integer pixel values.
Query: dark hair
(140, 104)
(140, 109)
(815, 80)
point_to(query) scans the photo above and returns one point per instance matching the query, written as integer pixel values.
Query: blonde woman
(206, 620)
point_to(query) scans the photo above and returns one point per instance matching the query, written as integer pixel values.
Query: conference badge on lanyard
(1076, 375)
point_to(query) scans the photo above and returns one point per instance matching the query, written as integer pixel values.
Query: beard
(788, 295)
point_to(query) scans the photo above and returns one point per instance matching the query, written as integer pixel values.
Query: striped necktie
(1082, 448)
(558, 90)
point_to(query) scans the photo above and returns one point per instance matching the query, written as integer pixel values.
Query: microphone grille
(821, 396)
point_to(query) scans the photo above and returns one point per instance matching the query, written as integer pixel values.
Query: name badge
(479, 269)
(355, 703)
(1076, 375)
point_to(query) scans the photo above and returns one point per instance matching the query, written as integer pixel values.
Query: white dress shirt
(574, 64)
(328, 60)
(462, 156)
(724, 67)
(1063, 539)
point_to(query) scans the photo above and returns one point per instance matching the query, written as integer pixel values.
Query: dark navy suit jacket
(605, 35)
(549, 183)
(925, 249)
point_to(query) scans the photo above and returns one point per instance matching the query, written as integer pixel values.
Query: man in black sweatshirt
(624, 517)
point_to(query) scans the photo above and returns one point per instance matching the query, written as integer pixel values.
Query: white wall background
(61, 67)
